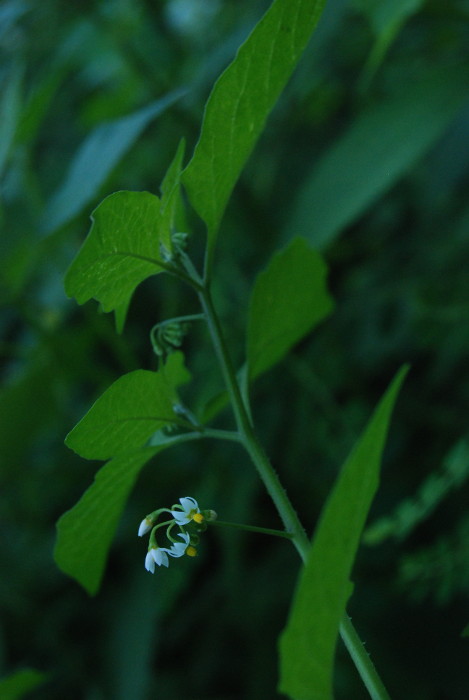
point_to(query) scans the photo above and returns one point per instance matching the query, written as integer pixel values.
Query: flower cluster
(186, 516)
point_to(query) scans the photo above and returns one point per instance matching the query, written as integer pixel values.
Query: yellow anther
(191, 551)
(198, 517)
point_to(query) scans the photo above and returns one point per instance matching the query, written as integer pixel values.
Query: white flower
(145, 526)
(179, 548)
(190, 511)
(156, 555)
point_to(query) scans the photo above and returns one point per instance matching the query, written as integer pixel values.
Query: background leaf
(307, 644)
(289, 298)
(171, 200)
(129, 412)
(10, 105)
(375, 151)
(85, 532)
(18, 684)
(240, 103)
(95, 159)
(386, 18)
(410, 512)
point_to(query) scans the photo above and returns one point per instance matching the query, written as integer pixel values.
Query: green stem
(275, 489)
(171, 440)
(362, 661)
(220, 434)
(247, 435)
(253, 528)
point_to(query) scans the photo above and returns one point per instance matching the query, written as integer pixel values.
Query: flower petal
(160, 556)
(180, 518)
(177, 550)
(150, 562)
(189, 504)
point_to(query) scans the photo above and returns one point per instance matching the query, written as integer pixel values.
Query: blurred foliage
(410, 513)
(19, 683)
(88, 79)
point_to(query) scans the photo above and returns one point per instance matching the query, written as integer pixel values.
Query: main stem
(247, 435)
(271, 481)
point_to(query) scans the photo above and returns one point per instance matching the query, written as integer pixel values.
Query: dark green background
(206, 629)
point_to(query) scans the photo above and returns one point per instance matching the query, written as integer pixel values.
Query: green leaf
(95, 159)
(288, 300)
(130, 411)
(122, 249)
(16, 685)
(240, 103)
(85, 533)
(308, 642)
(377, 149)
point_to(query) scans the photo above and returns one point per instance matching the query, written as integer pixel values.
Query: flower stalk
(254, 528)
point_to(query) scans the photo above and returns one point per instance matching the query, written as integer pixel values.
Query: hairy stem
(362, 661)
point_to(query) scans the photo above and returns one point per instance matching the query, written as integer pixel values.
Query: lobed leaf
(288, 300)
(122, 250)
(240, 103)
(129, 412)
(85, 532)
(307, 644)
(377, 149)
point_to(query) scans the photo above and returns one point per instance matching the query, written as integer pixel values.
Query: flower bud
(209, 515)
(145, 526)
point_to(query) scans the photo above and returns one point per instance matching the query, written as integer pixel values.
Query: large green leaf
(308, 642)
(85, 533)
(289, 298)
(377, 149)
(241, 101)
(129, 412)
(95, 159)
